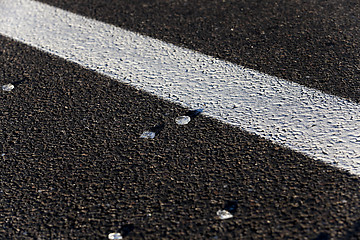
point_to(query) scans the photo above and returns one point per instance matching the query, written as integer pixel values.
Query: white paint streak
(322, 126)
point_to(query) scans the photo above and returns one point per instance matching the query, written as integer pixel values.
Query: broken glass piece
(8, 87)
(223, 214)
(147, 134)
(114, 236)
(182, 120)
(153, 131)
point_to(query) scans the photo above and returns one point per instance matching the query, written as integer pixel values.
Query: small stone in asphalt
(224, 214)
(8, 87)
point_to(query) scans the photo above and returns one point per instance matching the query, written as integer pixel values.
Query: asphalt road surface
(73, 166)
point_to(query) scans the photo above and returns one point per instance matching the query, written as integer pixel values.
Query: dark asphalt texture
(315, 43)
(74, 167)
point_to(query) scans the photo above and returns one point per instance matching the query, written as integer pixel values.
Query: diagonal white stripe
(322, 126)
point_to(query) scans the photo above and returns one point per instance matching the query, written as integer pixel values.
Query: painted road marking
(322, 126)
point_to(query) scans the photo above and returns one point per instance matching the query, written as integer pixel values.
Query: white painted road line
(322, 126)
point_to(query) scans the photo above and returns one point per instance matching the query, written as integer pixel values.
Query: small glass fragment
(182, 120)
(153, 131)
(113, 236)
(147, 134)
(223, 214)
(8, 87)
